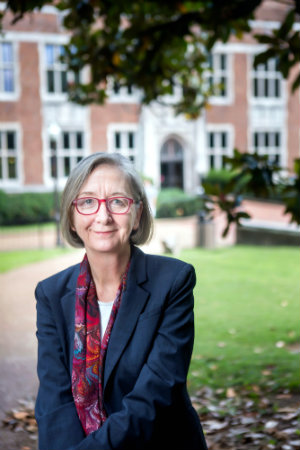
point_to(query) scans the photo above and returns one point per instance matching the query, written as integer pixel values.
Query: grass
(246, 317)
(246, 314)
(23, 228)
(14, 259)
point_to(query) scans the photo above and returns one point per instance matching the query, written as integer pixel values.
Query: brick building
(253, 111)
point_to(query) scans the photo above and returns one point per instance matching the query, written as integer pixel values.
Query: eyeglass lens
(115, 205)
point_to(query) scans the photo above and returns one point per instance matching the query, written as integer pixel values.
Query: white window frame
(72, 153)
(7, 183)
(217, 73)
(219, 151)
(269, 150)
(124, 129)
(14, 95)
(269, 76)
(123, 95)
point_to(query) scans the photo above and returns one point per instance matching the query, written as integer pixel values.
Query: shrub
(173, 202)
(26, 208)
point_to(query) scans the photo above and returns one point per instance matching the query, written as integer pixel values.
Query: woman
(115, 333)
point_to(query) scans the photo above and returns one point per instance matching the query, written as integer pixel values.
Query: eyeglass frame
(103, 200)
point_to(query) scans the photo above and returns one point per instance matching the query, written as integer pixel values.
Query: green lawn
(14, 259)
(247, 317)
(246, 314)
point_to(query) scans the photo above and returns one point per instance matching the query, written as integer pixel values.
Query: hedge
(176, 203)
(26, 208)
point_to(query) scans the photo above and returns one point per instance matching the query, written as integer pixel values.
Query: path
(18, 345)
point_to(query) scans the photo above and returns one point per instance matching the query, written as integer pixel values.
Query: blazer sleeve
(55, 411)
(162, 375)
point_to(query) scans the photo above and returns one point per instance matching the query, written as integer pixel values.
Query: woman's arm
(58, 422)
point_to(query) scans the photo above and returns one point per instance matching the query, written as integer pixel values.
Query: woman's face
(103, 231)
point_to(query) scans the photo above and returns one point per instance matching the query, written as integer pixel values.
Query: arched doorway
(171, 164)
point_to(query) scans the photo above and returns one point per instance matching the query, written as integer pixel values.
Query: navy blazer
(146, 365)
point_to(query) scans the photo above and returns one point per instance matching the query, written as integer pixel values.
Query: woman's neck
(107, 270)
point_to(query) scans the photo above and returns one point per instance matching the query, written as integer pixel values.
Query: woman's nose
(103, 214)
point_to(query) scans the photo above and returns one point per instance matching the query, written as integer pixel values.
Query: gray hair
(77, 178)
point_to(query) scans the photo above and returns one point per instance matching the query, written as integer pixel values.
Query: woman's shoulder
(61, 278)
(161, 264)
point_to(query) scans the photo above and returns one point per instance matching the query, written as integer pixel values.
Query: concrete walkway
(18, 347)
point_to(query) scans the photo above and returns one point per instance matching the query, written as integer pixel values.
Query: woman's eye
(86, 202)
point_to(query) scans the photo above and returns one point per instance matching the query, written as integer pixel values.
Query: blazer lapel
(133, 302)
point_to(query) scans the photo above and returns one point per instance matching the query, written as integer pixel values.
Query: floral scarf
(89, 350)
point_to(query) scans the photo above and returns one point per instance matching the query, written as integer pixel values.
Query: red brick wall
(236, 113)
(30, 113)
(35, 22)
(27, 112)
(102, 116)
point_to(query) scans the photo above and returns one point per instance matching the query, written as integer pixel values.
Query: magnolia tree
(158, 46)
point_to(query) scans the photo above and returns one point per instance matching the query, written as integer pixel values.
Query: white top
(105, 310)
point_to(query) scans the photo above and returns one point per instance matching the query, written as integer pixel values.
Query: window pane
(66, 140)
(277, 88)
(116, 88)
(52, 144)
(266, 90)
(266, 139)
(50, 55)
(7, 52)
(223, 62)
(1, 174)
(53, 164)
(66, 166)
(50, 80)
(131, 140)
(255, 87)
(64, 82)
(79, 140)
(12, 173)
(223, 162)
(212, 161)
(223, 86)
(117, 140)
(211, 140)
(224, 139)
(11, 145)
(277, 139)
(8, 80)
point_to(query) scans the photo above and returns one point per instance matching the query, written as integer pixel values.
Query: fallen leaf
(271, 424)
(230, 393)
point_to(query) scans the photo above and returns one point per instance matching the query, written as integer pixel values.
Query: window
(268, 143)
(219, 76)
(125, 143)
(8, 155)
(121, 94)
(56, 73)
(124, 90)
(217, 148)
(7, 69)
(65, 152)
(266, 80)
